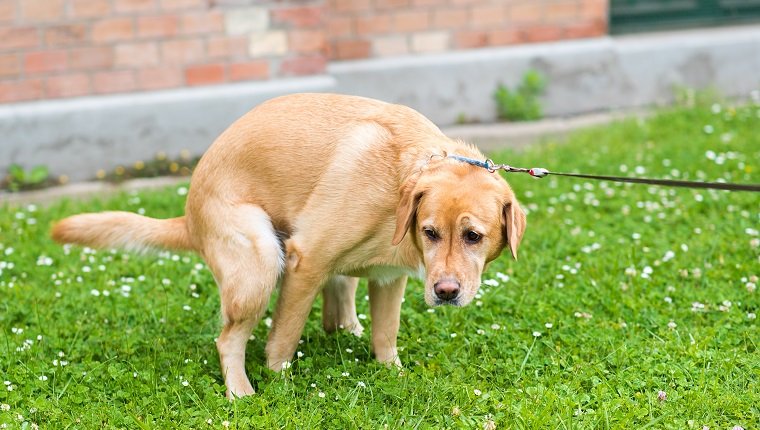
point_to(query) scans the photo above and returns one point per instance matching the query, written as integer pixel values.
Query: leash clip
(538, 172)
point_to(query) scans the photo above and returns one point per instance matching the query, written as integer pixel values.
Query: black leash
(538, 172)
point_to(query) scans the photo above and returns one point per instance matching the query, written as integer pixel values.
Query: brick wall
(380, 28)
(69, 48)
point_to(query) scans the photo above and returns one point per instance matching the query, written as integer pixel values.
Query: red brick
(301, 16)
(182, 51)
(45, 61)
(114, 82)
(202, 23)
(249, 71)
(130, 6)
(526, 13)
(467, 39)
(487, 15)
(376, 23)
(157, 78)
(67, 85)
(7, 11)
(42, 10)
(594, 10)
(157, 26)
(409, 21)
(561, 11)
(16, 91)
(300, 66)
(450, 18)
(349, 5)
(91, 58)
(113, 29)
(542, 33)
(227, 47)
(19, 38)
(65, 35)
(183, 4)
(306, 41)
(136, 55)
(351, 49)
(391, 4)
(204, 74)
(10, 65)
(586, 29)
(89, 8)
(340, 27)
(504, 37)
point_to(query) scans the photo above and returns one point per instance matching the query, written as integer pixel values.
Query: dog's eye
(431, 234)
(472, 237)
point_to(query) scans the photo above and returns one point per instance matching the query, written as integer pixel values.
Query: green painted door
(649, 15)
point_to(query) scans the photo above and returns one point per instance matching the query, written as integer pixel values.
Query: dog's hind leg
(339, 305)
(246, 258)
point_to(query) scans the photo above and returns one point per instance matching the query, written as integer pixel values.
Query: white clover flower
(477, 392)
(361, 384)
(536, 334)
(495, 326)
(42, 378)
(548, 325)
(345, 374)
(225, 423)
(321, 395)
(453, 335)
(491, 282)
(481, 331)
(5, 407)
(268, 322)
(672, 325)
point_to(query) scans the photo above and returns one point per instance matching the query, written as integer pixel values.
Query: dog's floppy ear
(407, 209)
(513, 224)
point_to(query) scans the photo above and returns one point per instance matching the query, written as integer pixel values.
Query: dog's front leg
(385, 308)
(299, 289)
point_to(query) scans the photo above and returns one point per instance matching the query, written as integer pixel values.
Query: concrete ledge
(86, 190)
(495, 136)
(583, 76)
(79, 136)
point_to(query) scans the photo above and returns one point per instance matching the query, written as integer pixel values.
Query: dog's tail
(123, 230)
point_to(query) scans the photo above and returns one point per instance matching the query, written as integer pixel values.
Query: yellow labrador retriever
(313, 191)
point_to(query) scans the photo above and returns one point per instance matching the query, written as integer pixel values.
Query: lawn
(630, 307)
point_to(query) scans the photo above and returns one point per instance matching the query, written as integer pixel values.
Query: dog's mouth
(451, 302)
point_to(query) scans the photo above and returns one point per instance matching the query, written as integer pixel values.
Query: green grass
(137, 332)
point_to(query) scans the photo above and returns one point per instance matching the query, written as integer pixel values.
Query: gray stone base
(79, 136)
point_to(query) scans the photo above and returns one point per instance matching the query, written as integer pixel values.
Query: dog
(311, 192)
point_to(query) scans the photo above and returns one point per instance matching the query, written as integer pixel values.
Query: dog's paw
(389, 358)
(235, 391)
(355, 329)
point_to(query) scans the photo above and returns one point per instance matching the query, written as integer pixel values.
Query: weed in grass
(634, 290)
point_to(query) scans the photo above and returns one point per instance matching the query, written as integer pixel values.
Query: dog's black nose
(446, 290)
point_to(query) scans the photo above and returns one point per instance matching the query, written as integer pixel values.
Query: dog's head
(460, 218)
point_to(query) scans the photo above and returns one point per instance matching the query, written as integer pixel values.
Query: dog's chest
(386, 274)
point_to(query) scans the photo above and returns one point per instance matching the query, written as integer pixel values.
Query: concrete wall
(78, 137)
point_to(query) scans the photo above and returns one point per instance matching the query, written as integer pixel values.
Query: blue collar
(484, 164)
